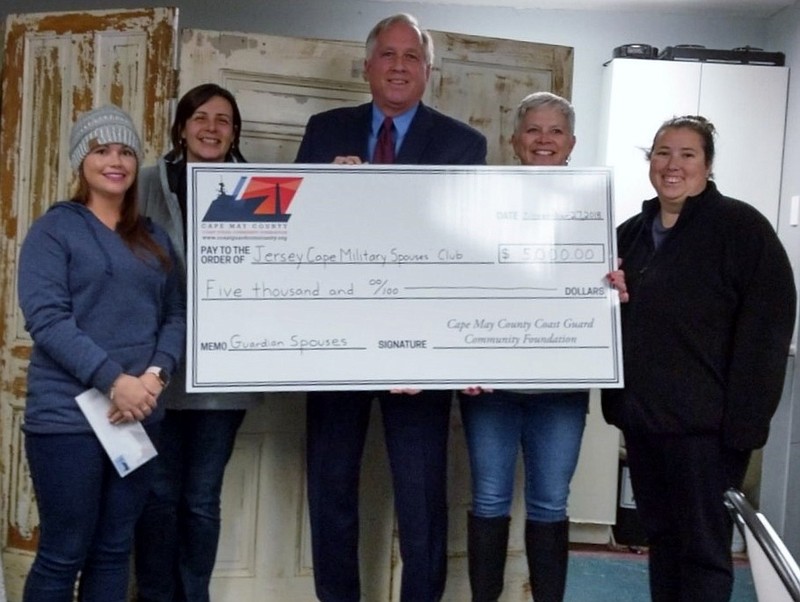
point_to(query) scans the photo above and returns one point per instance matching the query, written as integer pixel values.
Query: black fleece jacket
(707, 330)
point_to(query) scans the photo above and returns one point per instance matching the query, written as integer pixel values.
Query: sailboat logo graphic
(254, 199)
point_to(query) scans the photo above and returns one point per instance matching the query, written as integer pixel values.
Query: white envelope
(127, 444)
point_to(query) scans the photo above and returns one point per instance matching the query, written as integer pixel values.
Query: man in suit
(397, 66)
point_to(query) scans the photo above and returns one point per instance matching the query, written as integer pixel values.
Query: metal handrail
(782, 561)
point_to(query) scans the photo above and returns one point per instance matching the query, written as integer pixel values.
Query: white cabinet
(746, 103)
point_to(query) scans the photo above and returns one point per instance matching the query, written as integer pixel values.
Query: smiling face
(209, 132)
(109, 170)
(678, 167)
(397, 70)
(543, 137)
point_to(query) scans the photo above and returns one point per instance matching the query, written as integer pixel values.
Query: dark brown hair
(131, 226)
(189, 103)
(698, 124)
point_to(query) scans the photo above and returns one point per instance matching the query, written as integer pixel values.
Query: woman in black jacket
(706, 337)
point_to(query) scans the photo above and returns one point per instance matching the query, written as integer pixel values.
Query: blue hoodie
(95, 310)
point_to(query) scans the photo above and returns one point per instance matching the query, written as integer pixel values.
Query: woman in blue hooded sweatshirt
(102, 302)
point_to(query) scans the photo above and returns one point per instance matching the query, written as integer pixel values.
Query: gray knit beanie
(104, 125)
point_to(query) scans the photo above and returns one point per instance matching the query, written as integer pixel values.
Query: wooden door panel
(481, 80)
(56, 66)
(278, 83)
(277, 135)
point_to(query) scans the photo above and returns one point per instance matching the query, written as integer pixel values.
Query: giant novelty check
(333, 277)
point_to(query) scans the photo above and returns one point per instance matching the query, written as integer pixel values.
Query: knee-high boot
(547, 547)
(487, 543)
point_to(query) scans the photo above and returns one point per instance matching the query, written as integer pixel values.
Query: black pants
(416, 429)
(678, 483)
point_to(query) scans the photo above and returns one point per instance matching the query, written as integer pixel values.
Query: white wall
(593, 34)
(780, 496)
(784, 30)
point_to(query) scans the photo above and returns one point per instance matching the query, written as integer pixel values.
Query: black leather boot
(547, 547)
(487, 543)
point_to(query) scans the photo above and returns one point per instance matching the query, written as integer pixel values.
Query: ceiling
(753, 8)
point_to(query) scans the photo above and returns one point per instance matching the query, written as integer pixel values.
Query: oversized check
(332, 277)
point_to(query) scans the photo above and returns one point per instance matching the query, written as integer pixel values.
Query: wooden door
(57, 66)
(264, 552)
(481, 81)
(279, 82)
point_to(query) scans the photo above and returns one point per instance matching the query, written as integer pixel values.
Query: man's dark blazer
(416, 426)
(432, 139)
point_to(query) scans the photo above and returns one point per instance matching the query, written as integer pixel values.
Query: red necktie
(384, 148)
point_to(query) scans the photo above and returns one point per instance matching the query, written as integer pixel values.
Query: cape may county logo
(255, 199)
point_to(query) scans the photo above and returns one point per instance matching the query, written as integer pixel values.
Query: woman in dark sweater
(178, 535)
(706, 336)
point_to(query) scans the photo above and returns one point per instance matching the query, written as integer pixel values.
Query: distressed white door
(279, 82)
(481, 80)
(57, 66)
(264, 553)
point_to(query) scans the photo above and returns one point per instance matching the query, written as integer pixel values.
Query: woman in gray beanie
(102, 301)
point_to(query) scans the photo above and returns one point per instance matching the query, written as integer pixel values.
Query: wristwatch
(161, 374)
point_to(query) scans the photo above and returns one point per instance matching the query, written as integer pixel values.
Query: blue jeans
(87, 514)
(548, 425)
(178, 533)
